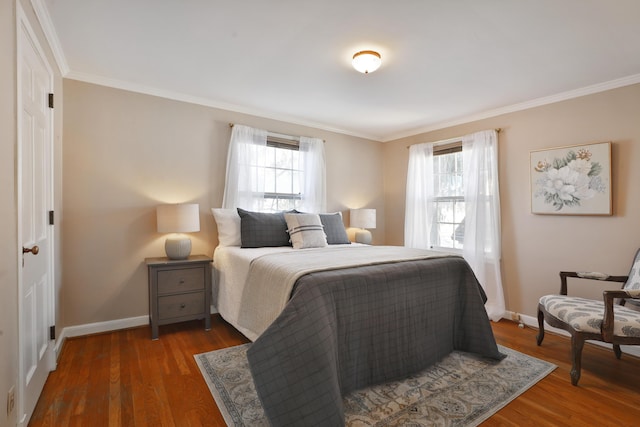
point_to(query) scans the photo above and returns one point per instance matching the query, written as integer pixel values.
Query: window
(272, 172)
(282, 171)
(448, 224)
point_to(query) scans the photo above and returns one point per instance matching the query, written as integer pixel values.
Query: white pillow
(228, 222)
(305, 231)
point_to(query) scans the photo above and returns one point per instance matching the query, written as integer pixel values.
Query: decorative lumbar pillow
(306, 231)
(334, 228)
(261, 229)
(228, 222)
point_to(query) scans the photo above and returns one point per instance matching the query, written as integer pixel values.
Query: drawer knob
(183, 305)
(181, 281)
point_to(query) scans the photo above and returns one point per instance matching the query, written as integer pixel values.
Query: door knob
(34, 250)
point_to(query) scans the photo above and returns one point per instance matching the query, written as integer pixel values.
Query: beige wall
(8, 206)
(536, 247)
(125, 153)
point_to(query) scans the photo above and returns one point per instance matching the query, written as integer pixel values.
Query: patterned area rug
(461, 390)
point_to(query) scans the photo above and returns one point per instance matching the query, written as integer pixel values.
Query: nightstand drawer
(173, 306)
(180, 280)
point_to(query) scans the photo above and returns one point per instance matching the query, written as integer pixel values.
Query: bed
(328, 320)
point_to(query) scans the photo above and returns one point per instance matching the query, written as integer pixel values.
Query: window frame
(282, 144)
(440, 150)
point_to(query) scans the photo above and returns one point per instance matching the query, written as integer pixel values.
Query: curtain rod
(458, 138)
(279, 135)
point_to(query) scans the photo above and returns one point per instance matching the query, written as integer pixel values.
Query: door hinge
(52, 332)
(50, 100)
(50, 217)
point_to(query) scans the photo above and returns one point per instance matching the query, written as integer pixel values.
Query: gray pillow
(260, 229)
(334, 229)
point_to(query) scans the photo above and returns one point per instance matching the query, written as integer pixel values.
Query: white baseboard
(132, 322)
(99, 327)
(533, 322)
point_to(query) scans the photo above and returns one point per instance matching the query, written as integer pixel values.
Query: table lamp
(363, 218)
(178, 218)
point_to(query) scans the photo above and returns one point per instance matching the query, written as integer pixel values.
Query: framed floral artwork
(574, 180)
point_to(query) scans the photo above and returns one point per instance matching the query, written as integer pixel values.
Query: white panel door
(35, 305)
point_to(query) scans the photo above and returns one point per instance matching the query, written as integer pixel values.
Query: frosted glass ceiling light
(366, 61)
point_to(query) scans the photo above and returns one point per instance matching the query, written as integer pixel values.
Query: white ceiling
(444, 61)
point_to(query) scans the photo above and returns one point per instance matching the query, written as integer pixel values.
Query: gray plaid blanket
(349, 328)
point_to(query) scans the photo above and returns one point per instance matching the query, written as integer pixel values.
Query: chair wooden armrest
(609, 300)
(565, 274)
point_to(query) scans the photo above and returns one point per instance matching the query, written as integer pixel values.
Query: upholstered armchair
(611, 320)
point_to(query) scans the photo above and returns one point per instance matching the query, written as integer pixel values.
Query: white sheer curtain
(244, 185)
(419, 201)
(313, 180)
(482, 247)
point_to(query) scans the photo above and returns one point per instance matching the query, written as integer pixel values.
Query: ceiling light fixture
(366, 61)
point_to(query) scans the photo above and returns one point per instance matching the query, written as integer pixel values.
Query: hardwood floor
(124, 378)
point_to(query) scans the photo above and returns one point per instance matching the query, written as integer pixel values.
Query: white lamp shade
(363, 218)
(179, 218)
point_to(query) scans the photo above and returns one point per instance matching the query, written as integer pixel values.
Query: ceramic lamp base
(363, 236)
(177, 247)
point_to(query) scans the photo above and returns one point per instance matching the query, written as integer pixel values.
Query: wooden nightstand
(179, 290)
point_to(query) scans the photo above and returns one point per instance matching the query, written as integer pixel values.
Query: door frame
(25, 33)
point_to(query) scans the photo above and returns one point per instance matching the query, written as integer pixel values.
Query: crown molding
(177, 96)
(162, 93)
(564, 96)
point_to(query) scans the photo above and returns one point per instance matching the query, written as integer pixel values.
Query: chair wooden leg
(540, 336)
(577, 343)
(617, 351)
